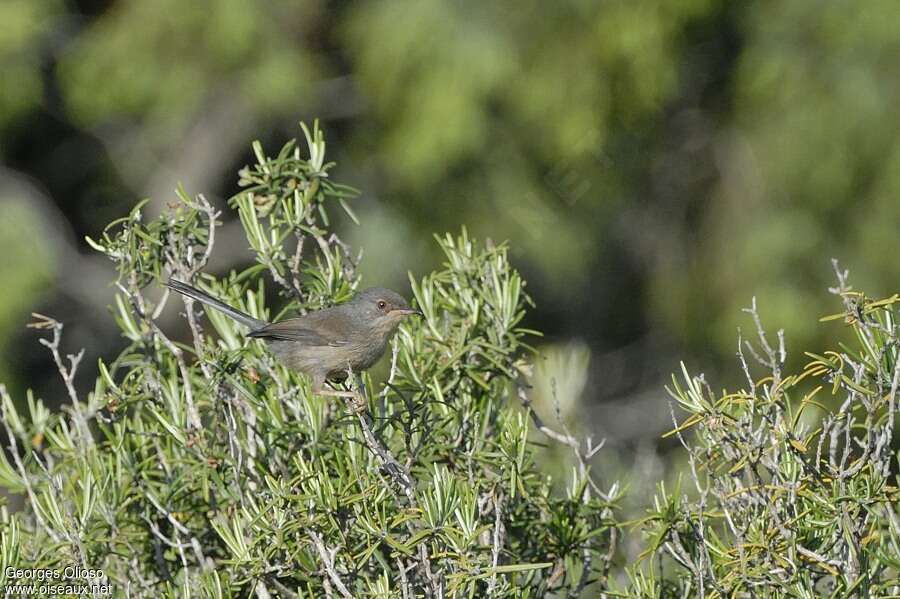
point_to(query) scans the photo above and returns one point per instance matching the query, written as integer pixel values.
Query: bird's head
(382, 309)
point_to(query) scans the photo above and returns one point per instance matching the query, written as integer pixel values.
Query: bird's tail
(205, 298)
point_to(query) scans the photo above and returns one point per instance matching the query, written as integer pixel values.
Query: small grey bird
(325, 343)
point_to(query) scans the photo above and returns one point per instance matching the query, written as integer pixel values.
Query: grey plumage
(325, 343)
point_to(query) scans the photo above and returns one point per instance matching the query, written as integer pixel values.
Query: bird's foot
(355, 400)
(358, 404)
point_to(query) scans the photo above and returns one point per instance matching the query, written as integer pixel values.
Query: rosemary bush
(199, 466)
(204, 467)
(794, 477)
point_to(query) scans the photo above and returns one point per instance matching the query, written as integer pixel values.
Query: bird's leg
(337, 393)
(356, 400)
(359, 404)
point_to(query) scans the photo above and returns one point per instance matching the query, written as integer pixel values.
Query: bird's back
(326, 327)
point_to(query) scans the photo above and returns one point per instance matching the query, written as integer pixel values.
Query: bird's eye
(381, 304)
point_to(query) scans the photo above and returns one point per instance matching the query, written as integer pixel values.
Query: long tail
(205, 298)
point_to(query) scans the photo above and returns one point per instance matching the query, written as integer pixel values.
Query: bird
(323, 344)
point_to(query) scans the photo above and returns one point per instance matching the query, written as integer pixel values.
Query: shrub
(205, 467)
(794, 476)
(200, 466)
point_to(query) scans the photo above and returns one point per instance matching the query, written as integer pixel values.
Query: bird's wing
(320, 328)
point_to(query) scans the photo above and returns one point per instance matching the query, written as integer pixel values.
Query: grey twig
(193, 417)
(179, 528)
(67, 372)
(6, 400)
(398, 473)
(566, 438)
(499, 533)
(387, 461)
(327, 558)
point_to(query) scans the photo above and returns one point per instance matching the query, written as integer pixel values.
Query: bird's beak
(406, 311)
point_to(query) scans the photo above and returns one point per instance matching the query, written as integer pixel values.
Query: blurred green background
(654, 164)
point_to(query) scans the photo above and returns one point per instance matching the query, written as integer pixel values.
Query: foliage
(793, 499)
(204, 466)
(201, 466)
